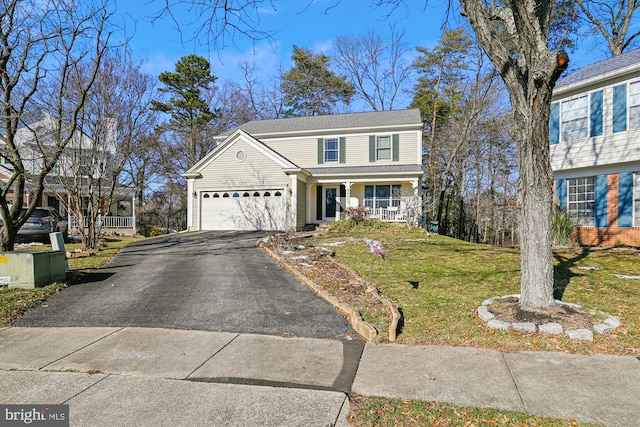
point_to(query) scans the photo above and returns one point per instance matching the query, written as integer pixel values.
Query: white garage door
(243, 210)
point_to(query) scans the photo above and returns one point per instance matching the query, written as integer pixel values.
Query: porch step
(323, 227)
(317, 227)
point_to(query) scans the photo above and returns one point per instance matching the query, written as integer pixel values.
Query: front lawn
(378, 412)
(439, 282)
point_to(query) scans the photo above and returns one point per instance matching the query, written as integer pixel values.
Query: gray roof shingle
(334, 121)
(601, 67)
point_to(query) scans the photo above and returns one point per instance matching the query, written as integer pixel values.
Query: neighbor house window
(634, 105)
(574, 119)
(381, 196)
(331, 150)
(383, 147)
(581, 200)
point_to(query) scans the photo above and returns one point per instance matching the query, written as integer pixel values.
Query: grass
(380, 412)
(452, 279)
(15, 302)
(439, 282)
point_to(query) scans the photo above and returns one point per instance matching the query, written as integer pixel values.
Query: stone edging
(365, 329)
(610, 323)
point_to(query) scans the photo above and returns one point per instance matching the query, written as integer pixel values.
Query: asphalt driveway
(214, 281)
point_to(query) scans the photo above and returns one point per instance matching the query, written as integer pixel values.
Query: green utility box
(28, 270)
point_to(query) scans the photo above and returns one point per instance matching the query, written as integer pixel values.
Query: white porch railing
(121, 222)
(390, 214)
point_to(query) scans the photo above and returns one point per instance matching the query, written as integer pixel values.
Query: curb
(365, 329)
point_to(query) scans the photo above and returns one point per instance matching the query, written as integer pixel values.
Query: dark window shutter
(625, 199)
(343, 196)
(561, 192)
(595, 113)
(620, 108)
(395, 147)
(319, 202)
(372, 148)
(320, 151)
(343, 149)
(602, 189)
(554, 123)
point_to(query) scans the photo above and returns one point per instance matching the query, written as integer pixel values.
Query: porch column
(293, 202)
(190, 202)
(308, 214)
(133, 214)
(347, 196)
(417, 199)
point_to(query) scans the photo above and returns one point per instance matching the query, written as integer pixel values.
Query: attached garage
(243, 209)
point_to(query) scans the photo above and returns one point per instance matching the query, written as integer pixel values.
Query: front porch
(397, 202)
(109, 225)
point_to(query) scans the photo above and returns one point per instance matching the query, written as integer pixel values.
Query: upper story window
(574, 118)
(383, 147)
(577, 118)
(331, 150)
(634, 105)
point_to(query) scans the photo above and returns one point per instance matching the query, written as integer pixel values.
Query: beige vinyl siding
(602, 150)
(301, 151)
(301, 208)
(409, 148)
(304, 151)
(226, 172)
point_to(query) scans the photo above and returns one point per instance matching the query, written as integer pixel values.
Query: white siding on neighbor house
(226, 172)
(304, 151)
(608, 148)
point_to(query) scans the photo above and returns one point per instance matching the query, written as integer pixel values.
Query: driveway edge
(365, 329)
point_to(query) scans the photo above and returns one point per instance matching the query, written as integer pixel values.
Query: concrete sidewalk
(140, 376)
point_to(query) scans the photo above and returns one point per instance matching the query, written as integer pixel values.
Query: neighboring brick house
(299, 172)
(594, 134)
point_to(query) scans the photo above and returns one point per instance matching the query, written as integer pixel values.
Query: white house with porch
(299, 172)
(71, 173)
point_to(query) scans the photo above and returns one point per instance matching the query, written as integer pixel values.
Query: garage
(243, 209)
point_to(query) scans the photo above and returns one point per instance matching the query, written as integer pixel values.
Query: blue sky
(312, 24)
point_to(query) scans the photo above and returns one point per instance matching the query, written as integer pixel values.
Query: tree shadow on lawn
(562, 273)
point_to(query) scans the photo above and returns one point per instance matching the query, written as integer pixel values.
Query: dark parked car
(43, 221)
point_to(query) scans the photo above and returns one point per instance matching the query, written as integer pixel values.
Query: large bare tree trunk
(529, 73)
(534, 203)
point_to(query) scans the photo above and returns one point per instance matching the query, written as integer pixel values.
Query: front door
(330, 198)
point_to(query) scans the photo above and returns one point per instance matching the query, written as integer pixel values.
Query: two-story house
(595, 150)
(71, 174)
(294, 173)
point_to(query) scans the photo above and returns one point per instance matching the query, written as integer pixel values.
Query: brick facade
(610, 235)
